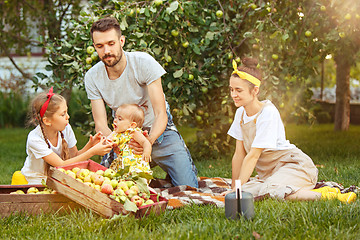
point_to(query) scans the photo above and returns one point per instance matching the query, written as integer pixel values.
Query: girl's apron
(280, 172)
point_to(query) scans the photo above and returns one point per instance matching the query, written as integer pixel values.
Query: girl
(53, 141)
(284, 171)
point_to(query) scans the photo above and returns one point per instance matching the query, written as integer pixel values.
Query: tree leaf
(130, 206)
(178, 73)
(173, 6)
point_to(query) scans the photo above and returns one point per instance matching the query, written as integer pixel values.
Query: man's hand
(136, 147)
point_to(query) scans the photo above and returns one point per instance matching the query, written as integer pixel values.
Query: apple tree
(294, 37)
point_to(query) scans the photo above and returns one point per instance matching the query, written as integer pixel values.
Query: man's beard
(117, 59)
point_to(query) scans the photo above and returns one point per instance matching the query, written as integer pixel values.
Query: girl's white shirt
(270, 131)
(37, 148)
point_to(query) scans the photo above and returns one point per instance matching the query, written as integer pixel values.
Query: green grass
(337, 152)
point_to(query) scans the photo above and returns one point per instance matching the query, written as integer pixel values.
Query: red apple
(137, 200)
(107, 188)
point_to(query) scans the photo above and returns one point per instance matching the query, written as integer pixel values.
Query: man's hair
(105, 24)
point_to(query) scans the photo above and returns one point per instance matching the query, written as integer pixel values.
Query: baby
(127, 123)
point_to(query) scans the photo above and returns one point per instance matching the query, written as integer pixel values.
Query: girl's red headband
(46, 104)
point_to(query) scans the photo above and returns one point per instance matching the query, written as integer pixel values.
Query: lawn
(336, 154)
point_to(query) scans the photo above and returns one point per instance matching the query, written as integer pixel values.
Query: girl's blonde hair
(35, 119)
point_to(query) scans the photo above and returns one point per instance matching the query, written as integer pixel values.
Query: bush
(13, 109)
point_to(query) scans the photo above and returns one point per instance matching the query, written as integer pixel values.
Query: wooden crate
(32, 204)
(93, 199)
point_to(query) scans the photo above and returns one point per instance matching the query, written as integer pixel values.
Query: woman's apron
(280, 172)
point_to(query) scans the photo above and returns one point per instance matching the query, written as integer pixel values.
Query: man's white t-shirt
(270, 131)
(131, 87)
(37, 148)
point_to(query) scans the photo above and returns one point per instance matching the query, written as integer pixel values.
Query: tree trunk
(342, 105)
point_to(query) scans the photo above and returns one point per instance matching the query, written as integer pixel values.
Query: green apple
(168, 59)
(109, 173)
(323, 8)
(341, 34)
(88, 60)
(204, 89)
(94, 56)
(61, 170)
(75, 169)
(185, 44)
(237, 59)
(275, 56)
(348, 16)
(82, 173)
(123, 186)
(90, 49)
(129, 183)
(158, 2)
(149, 202)
(88, 66)
(174, 33)
(135, 188)
(198, 118)
(191, 77)
(100, 172)
(71, 174)
(219, 13)
(308, 33)
(114, 183)
(253, 6)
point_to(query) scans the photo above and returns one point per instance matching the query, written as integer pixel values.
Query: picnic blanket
(209, 190)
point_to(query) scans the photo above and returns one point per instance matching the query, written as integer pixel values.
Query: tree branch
(25, 75)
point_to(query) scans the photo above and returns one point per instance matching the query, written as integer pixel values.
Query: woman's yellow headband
(246, 76)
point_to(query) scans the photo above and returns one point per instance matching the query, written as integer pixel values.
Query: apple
(149, 201)
(144, 195)
(230, 55)
(62, 170)
(219, 13)
(94, 56)
(198, 118)
(88, 60)
(87, 178)
(106, 181)
(88, 66)
(75, 169)
(191, 77)
(100, 172)
(137, 200)
(114, 183)
(98, 179)
(348, 16)
(253, 6)
(90, 184)
(119, 192)
(275, 56)
(106, 188)
(123, 186)
(237, 59)
(174, 33)
(109, 173)
(71, 174)
(308, 33)
(20, 192)
(129, 183)
(158, 2)
(122, 198)
(204, 89)
(79, 179)
(90, 49)
(135, 189)
(357, 16)
(255, 46)
(168, 58)
(82, 173)
(130, 13)
(130, 193)
(323, 8)
(32, 190)
(185, 44)
(97, 187)
(137, 10)
(342, 34)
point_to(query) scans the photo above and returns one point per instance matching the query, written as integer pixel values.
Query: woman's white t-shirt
(37, 148)
(270, 131)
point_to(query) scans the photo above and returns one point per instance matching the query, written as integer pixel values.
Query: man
(135, 77)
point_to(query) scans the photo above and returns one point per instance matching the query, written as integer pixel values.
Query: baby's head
(128, 115)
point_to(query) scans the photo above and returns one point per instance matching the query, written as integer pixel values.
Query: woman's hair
(35, 119)
(105, 24)
(134, 112)
(249, 65)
